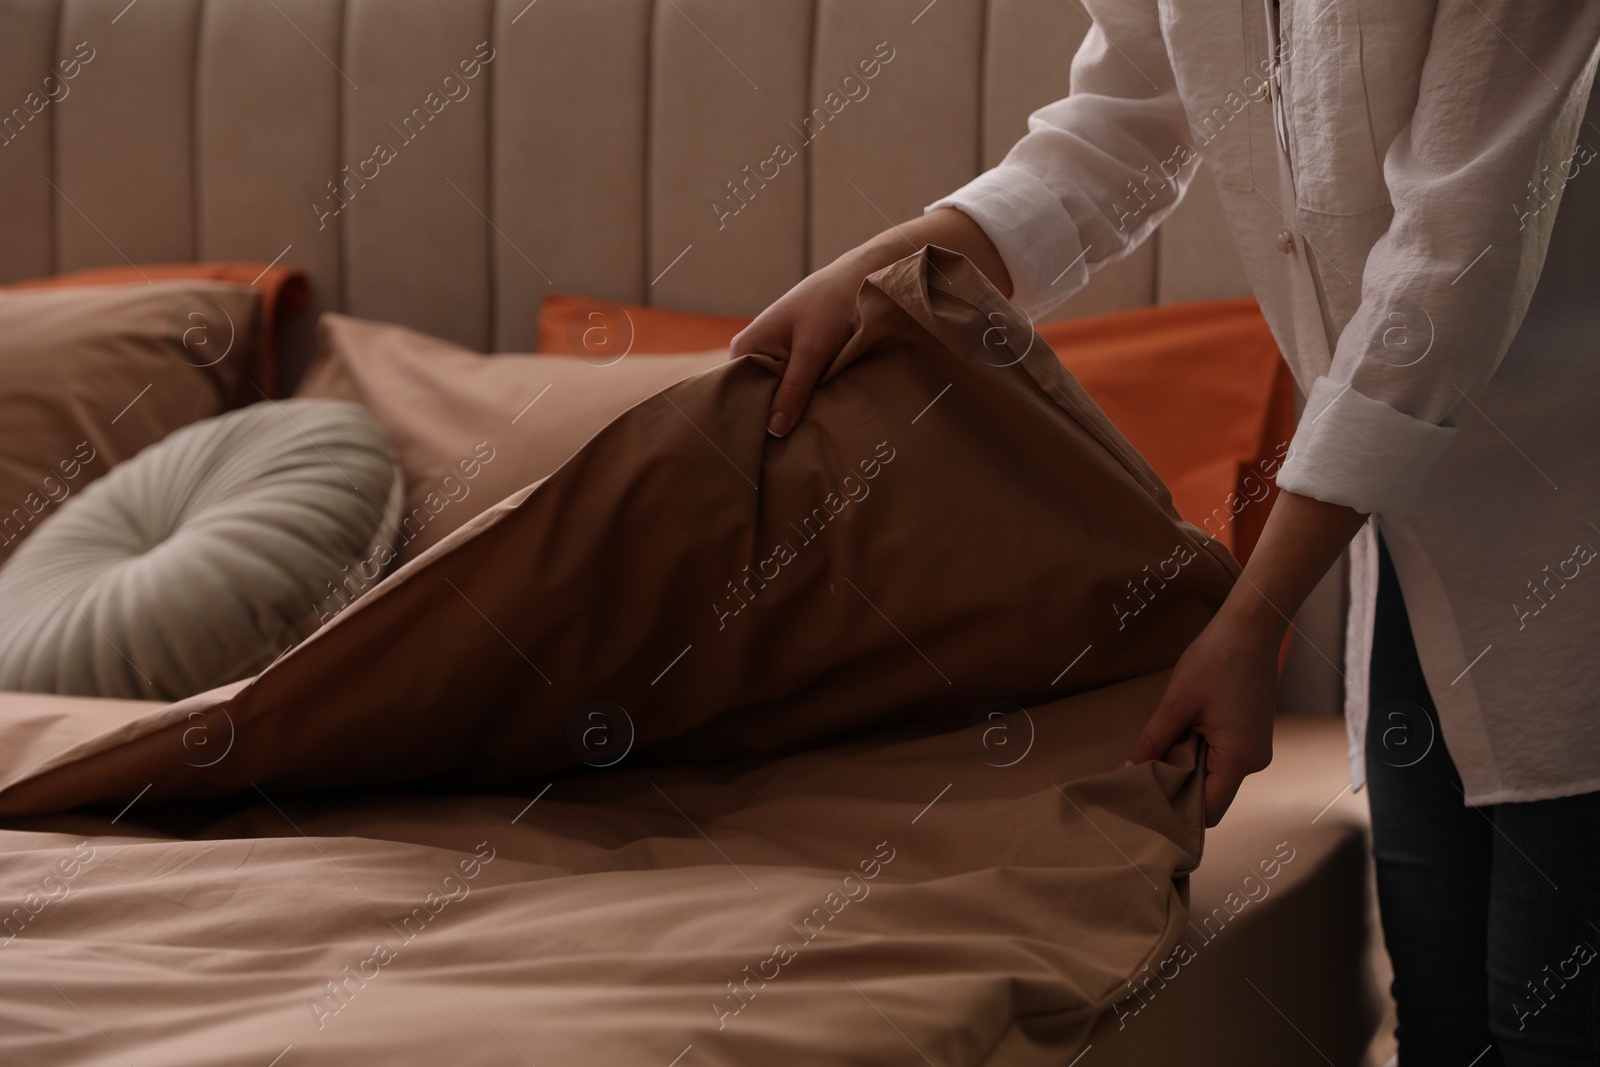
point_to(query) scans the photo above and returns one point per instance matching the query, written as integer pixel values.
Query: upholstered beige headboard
(589, 154)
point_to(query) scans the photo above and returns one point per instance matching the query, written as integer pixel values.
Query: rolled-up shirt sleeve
(1097, 171)
(1475, 181)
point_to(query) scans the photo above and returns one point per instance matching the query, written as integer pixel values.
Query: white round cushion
(201, 559)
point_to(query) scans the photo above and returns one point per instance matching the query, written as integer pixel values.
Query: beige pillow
(198, 561)
(89, 376)
(954, 523)
(470, 429)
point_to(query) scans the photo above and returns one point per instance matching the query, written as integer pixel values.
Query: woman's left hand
(1224, 687)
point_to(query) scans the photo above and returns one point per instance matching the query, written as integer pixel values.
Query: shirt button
(1285, 242)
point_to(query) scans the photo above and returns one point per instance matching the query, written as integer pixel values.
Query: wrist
(1249, 615)
(875, 253)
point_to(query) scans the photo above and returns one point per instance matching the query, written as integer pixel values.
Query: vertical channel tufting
(727, 186)
(1030, 47)
(125, 147)
(266, 141)
(1029, 64)
(809, 160)
(893, 120)
(984, 19)
(614, 148)
(414, 202)
(28, 106)
(568, 159)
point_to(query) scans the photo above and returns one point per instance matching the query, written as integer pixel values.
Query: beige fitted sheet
(599, 917)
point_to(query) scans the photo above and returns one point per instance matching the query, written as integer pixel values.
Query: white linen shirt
(1392, 175)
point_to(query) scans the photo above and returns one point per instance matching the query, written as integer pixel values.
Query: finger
(1230, 759)
(1224, 776)
(759, 338)
(800, 376)
(1172, 717)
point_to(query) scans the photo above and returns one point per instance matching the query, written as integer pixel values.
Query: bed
(193, 989)
(236, 928)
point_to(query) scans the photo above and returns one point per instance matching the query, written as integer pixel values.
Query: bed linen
(470, 429)
(600, 919)
(90, 376)
(1216, 429)
(957, 524)
(656, 849)
(1312, 911)
(1280, 962)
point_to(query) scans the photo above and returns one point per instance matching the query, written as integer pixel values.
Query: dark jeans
(1491, 914)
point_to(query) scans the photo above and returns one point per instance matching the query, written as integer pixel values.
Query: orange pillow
(601, 331)
(1198, 388)
(284, 291)
(1202, 392)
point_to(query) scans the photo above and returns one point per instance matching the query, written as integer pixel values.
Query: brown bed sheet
(954, 523)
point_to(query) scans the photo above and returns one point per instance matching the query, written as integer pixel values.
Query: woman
(1392, 175)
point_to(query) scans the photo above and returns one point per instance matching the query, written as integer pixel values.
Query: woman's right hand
(809, 325)
(806, 328)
